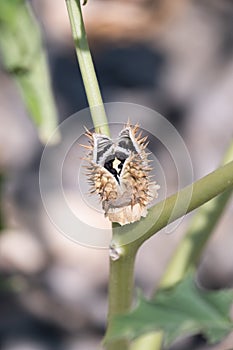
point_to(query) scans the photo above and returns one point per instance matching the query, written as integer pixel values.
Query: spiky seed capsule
(118, 171)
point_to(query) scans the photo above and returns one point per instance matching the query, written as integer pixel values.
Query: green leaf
(180, 311)
(23, 56)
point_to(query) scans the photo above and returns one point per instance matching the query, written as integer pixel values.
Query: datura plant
(119, 173)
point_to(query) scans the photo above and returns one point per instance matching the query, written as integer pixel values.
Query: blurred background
(174, 56)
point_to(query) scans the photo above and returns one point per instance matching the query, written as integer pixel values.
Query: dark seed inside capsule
(114, 166)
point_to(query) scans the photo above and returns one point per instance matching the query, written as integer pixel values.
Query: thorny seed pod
(118, 171)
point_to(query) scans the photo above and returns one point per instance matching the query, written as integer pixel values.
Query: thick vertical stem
(121, 284)
(86, 67)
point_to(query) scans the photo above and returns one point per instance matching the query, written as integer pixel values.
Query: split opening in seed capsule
(114, 165)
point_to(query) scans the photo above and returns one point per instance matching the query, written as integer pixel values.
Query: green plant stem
(120, 294)
(86, 67)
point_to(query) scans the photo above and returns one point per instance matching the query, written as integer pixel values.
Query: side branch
(168, 211)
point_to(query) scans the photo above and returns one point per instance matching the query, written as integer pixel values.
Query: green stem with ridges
(87, 67)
